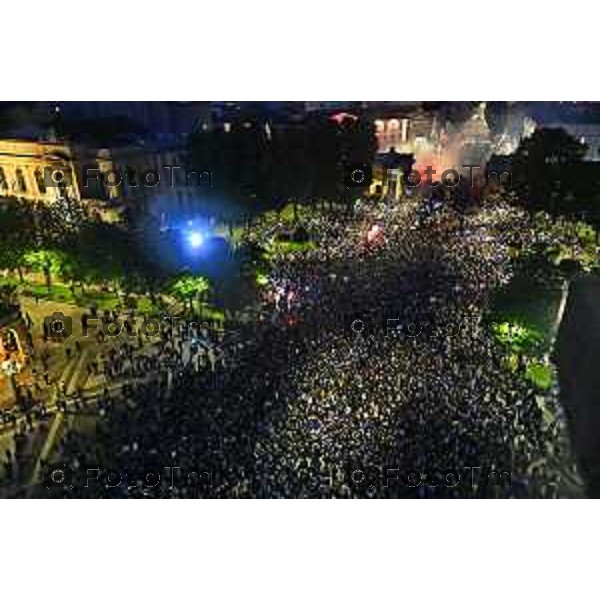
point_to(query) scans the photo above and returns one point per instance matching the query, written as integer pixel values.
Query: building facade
(406, 130)
(13, 351)
(37, 171)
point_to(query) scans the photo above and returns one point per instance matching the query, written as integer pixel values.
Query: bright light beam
(196, 239)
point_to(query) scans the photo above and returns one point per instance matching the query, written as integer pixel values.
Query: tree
(8, 295)
(238, 160)
(547, 171)
(252, 253)
(258, 162)
(105, 253)
(188, 288)
(16, 236)
(50, 262)
(334, 143)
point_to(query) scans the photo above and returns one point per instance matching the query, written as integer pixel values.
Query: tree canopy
(257, 164)
(549, 172)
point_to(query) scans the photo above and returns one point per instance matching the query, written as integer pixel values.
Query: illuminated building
(37, 171)
(410, 130)
(406, 130)
(444, 139)
(476, 138)
(47, 171)
(13, 356)
(104, 137)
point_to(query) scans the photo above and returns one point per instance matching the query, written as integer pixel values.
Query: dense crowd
(368, 371)
(424, 389)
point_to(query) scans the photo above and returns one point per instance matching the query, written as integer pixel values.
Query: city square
(292, 329)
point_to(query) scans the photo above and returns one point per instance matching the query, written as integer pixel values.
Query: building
(37, 171)
(476, 141)
(48, 171)
(12, 334)
(406, 129)
(160, 175)
(13, 353)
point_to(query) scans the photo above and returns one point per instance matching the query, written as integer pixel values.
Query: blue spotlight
(196, 239)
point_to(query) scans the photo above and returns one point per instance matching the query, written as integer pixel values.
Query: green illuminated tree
(49, 262)
(188, 288)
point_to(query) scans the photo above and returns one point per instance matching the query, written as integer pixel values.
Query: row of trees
(93, 254)
(549, 173)
(89, 252)
(258, 164)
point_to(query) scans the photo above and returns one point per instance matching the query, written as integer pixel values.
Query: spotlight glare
(196, 239)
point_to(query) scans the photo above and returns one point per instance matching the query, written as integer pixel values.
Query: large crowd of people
(368, 371)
